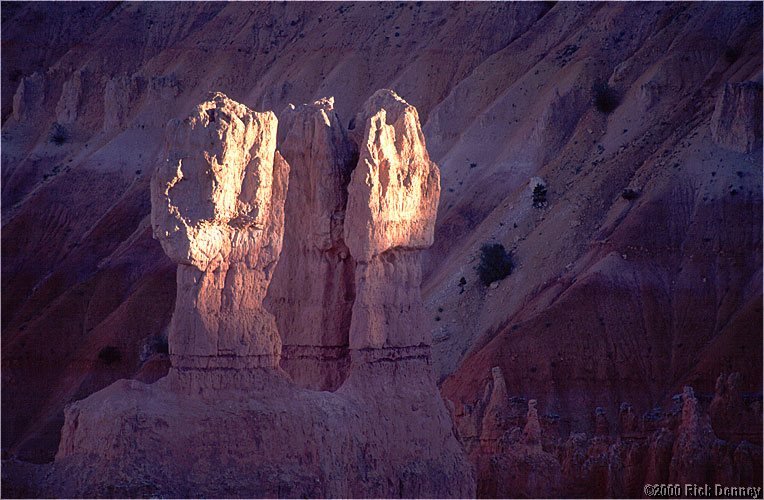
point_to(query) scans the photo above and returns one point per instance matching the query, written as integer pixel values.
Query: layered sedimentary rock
(118, 95)
(392, 203)
(69, 103)
(217, 209)
(226, 421)
(313, 290)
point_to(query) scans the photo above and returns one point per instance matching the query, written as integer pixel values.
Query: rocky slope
(640, 275)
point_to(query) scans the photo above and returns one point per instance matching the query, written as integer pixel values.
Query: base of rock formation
(384, 433)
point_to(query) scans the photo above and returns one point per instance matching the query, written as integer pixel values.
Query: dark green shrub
(110, 354)
(732, 54)
(605, 97)
(539, 196)
(58, 134)
(630, 194)
(495, 263)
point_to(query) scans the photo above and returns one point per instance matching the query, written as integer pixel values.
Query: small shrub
(539, 196)
(160, 345)
(495, 263)
(630, 194)
(110, 354)
(605, 97)
(58, 134)
(732, 54)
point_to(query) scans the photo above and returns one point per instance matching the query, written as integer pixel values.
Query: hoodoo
(217, 209)
(494, 281)
(312, 291)
(226, 421)
(392, 205)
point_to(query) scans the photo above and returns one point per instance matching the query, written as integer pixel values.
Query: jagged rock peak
(692, 449)
(217, 208)
(394, 190)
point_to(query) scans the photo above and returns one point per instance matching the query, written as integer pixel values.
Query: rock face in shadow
(313, 290)
(226, 420)
(524, 454)
(217, 209)
(736, 121)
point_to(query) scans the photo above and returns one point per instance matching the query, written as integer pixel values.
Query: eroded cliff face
(218, 210)
(736, 123)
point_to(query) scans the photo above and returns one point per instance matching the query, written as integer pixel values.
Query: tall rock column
(313, 286)
(392, 205)
(217, 209)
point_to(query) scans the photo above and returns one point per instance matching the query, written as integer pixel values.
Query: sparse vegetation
(156, 344)
(732, 54)
(110, 355)
(630, 194)
(58, 134)
(539, 196)
(160, 345)
(495, 263)
(605, 97)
